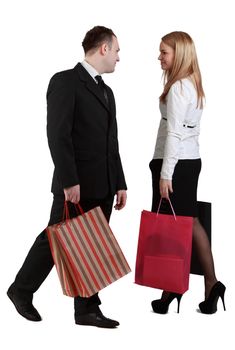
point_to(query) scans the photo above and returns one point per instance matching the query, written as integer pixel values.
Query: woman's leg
(204, 253)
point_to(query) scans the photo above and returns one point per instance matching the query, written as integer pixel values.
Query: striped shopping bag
(86, 254)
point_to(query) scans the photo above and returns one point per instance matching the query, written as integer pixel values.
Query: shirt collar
(91, 70)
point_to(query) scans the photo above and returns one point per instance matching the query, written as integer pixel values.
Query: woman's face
(166, 56)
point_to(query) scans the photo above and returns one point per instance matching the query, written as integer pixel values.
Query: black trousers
(39, 261)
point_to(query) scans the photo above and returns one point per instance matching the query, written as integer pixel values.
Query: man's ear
(103, 49)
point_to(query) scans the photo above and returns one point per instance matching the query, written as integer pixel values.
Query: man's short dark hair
(96, 37)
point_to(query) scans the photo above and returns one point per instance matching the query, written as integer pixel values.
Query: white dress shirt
(179, 127)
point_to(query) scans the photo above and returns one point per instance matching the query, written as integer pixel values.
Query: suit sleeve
(60, 118)
(121, 183)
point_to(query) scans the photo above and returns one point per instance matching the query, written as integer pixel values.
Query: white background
(39, 38)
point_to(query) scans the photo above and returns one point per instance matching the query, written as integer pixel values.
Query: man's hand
(72, 194)
(165, 186)
(121, 198)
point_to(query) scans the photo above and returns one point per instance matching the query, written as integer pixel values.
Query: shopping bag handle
(66, 210)
(170, 205)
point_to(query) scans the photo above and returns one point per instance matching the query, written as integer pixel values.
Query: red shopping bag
(164, 251)
(86, 254)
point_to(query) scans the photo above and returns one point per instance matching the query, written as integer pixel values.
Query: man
(82, 137)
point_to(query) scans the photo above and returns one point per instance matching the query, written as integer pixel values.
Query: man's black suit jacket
(82, 135)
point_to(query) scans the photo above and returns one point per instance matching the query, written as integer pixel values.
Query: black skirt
(184, 183)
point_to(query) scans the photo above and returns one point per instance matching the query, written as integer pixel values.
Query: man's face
(111, 57)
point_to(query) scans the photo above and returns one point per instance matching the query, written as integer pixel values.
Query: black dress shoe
(25, 309)
(97, 320)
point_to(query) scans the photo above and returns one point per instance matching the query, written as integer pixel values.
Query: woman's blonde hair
(185, 64)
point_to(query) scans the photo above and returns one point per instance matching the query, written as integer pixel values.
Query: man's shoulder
(66, 75)
(64, 79)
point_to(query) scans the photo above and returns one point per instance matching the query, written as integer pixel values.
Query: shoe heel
(178, 300)
(222, 298)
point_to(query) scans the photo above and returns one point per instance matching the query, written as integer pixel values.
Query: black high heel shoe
(209, 306)
(161, 306)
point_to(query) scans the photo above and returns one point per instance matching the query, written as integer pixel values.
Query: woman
(176, 163)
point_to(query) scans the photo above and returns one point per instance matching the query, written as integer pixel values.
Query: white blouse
(179, 127)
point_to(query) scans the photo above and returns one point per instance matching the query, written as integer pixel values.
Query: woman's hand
(165, 187)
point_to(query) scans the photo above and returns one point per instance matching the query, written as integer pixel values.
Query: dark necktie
(101, 85)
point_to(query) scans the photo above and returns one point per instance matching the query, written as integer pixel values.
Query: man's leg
(87, 310)
(35, 268)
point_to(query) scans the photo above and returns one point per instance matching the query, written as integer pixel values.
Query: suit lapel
(92, 86)
(112, 107)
